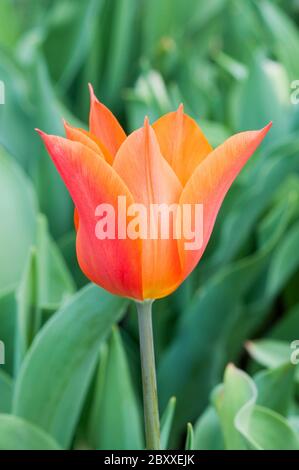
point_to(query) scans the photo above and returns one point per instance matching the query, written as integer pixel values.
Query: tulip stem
(149, 383)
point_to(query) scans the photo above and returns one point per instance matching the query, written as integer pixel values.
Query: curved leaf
(55, 375)
(18, 434)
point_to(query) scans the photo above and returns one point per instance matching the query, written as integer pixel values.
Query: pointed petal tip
(90, 87)
(65, 123)
(41, 133)
(268, 126)
(180, 108)
(264, 131)
(92, 93)
(146, 122)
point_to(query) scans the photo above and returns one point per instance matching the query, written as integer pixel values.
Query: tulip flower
(168, 162)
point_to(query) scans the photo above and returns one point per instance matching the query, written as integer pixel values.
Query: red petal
(112, 264)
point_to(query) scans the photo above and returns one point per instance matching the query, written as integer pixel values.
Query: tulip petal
(104, 125)
(76, 219)
(210, 182)
(113, 264)
(182, 142)
(87, 138)
(151, 180)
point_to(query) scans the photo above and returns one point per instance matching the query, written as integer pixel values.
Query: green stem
(150, 399)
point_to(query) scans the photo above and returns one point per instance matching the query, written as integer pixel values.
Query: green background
(71, 377)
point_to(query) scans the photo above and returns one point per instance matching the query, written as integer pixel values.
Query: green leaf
(28, 319)
(150, 96)
(115, 416)
(189, 445)
(269, 353)
(70, 27)
(285, 262)
(54, 199)
(221, 297)
(246, 425)
(63, 357)
(275, 388)
(6, 390)
(269, 431)
(45, 285)
(285, 327)
(7, 327)
(207, 431)
(283, 35)
(18, 210)
(120, 46)
(9, 30)
(237, 395)
(267, 86)
(55, 283)
(166, 422)
(18, 434)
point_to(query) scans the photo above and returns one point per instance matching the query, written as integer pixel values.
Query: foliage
(71, 379)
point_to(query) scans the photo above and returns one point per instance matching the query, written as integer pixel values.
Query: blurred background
(233, 64)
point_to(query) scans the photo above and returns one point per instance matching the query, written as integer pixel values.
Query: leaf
(15, 117)
(219, 301)
(189, 445)
(45, 284)
(207, 431)
(150, 96)
(246, 425)
(121, 44)
(80, 39)
(6, 390)
(63, 357)
(285, 327)
(285, 262)
(28, 318)
(55, 283)
(269, 431)
(269, 353)
(235, 398)
(283, 35)
(115, 416)
(267, 85)
(9, 30)
(70, 26)
(249, 201)
(7, 327)
(276, 388)
(166, 422)
(18, 434)
(18, 210)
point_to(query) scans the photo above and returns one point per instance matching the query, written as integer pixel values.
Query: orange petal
(151, 180)
(113, 264)
(104, 125)
(182, 142)
(78, 135)
(210, 182)
(87, 138)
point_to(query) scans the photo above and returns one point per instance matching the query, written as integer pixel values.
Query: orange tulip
(170, 162)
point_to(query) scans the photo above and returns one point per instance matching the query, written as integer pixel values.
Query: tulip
(168, 162)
